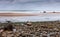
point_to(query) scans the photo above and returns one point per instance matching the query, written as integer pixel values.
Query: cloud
(29, 4)
(27, 1)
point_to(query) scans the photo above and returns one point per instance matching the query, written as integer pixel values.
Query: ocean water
(30, 18)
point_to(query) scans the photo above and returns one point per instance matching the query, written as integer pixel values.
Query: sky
(39, 5)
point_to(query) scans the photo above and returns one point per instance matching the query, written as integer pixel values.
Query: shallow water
(29, 18)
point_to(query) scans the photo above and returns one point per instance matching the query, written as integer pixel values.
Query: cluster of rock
(30, 30)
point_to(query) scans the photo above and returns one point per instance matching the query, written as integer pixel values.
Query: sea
(29, 18)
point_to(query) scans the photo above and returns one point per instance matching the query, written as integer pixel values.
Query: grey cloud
(28, 1)
(28, 4)
(6, 1)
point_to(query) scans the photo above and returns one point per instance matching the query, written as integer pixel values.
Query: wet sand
(17, 14)
(29, 14)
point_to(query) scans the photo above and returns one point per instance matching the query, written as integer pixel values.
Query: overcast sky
(42, 5)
